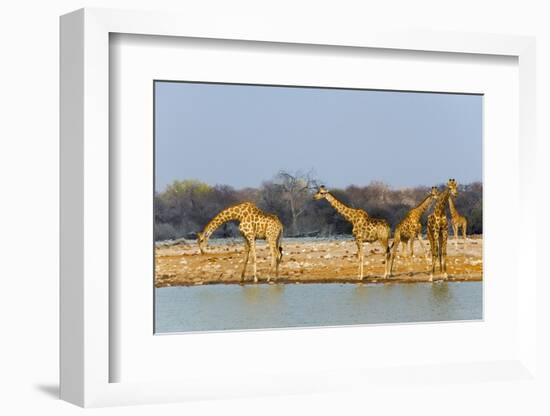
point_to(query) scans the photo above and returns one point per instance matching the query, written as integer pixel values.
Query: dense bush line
(186, 206)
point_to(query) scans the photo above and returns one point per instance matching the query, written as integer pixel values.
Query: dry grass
(308, 262)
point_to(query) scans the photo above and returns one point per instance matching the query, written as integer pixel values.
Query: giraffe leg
(423, 246)
(253, 249)
(412, 246)
(360, 258)
(276, 254)
(439, 253)
(434, 240)
(386, 248)
(396, 240)
(429, 234)
(246, 255)
(279, 253)
(444, 236)
(274, 242)
(273, 259)
(364, 248)
(403, 248)
(455, 233)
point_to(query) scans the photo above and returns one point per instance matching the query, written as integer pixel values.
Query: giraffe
(410, 227)
(365, 228)
(438, 229)
(253, 224)
(457, 221)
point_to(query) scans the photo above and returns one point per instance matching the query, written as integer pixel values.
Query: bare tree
(297, 189)
(186, 206)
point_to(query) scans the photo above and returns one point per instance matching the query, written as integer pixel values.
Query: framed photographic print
(248, 236)
(229, 196)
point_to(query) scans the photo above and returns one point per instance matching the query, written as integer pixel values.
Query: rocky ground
(307, 261)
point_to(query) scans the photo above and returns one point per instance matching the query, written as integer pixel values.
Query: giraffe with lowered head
(410, 227)
(253, 224)
(438, 229)
(457, 221)
(365, 228)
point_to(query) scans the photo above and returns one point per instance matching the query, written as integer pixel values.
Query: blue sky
(242, 135)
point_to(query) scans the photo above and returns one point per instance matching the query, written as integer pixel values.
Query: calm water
(221, 307)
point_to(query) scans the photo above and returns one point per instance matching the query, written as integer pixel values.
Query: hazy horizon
(321, 182)
(242, 135)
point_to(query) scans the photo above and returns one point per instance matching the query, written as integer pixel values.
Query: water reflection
(262, 293)
(360, 293)
(219, 307)
(251, 293)
(440, 292)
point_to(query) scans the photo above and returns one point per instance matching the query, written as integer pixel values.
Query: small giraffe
(410, 227)
(457, 221)
(365, 228)
(253, 224)
(438, 229)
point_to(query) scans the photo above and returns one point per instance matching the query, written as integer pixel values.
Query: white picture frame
(86, 355)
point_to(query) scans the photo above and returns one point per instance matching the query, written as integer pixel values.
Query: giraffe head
(451, 184)
(201, 239)
(321, 193)
(434, 193)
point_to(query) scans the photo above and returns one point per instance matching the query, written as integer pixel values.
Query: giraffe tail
(279, 246)
(390, 246)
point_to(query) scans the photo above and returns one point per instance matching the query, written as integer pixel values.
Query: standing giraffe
(410, 227)
(457, 221)
(365, 228)
(438, 229)
(253, 224)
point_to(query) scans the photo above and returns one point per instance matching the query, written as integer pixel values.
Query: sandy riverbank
(307, 261)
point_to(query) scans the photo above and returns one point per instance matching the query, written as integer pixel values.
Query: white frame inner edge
(84, 343)
(136, 61)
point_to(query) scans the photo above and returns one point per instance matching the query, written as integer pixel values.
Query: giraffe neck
(454, 212)
(343, 209)
(417, 212)
(228, 214)
(439, 209)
